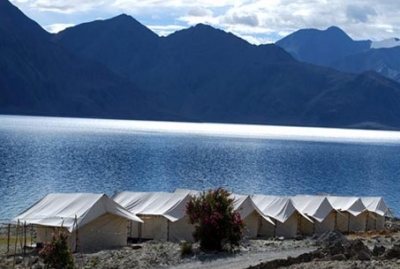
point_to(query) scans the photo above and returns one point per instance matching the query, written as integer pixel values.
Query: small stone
(37, 266)
(33, 260)
(298, 237)
(339, 257)
(18, 259)
(363, 256)
(378, 250)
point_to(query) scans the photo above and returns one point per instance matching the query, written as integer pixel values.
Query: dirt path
(241, 260)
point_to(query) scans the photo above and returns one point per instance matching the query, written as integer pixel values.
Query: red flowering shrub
(215, 220)
(56, 254)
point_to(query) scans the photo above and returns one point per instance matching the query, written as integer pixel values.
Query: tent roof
(187, 191)
(317, 207)
(61, 209)
(169, 205)
(353, 205)
(276, 207)
(375, 204)
(242, 204)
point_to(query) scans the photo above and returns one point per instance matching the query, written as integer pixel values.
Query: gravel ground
(257, 254)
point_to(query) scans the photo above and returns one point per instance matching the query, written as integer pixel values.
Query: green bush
(186, 248)
(216, 223)
(56, 253)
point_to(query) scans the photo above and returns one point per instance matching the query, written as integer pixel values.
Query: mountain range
(118, 68)
(334, 48)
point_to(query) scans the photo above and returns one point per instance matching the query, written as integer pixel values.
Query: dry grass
(370, 234)
(20, 243)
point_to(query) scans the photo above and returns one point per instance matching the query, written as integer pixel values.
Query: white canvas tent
(377, 210)
(319, 209)
(163, 214)
(98, 221)
(287, 218)
(352, 214)
(244, 206)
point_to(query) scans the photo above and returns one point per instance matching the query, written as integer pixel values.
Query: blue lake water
(39, 155)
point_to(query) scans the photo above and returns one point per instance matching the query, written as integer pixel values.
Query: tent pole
(130, 229)
(140, 231)
(348, 223)
(8, 237)
(76, 234)
(299, 224)
(24, 238)
(31, 233)
(16, 242)
(168, 229)
(336, 224)
(314, 227)
(367, 222)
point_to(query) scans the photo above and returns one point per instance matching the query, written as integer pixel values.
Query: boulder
(331, 237)
(338, 257)
(378, 250)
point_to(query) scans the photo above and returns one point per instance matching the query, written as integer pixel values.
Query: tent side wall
(328, 224)
(375, 222)
(358, 224)
(251, 225)
(155, 227)
(342, 221)
(44, 233)
(181, 230)
(306, 227)
(288, 229)
(107, 231)
(265, 228)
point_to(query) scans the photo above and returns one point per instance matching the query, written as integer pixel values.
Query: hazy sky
(258, 21)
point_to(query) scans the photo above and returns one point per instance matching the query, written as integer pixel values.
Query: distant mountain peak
(335, 28)
(126, 21)
(321, 47)
(387, 43)
(13, 19)
(203, 26)
(123, 17)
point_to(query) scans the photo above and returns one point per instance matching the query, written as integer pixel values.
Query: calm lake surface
(39, 155)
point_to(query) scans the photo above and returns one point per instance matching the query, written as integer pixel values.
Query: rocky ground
(331, 250)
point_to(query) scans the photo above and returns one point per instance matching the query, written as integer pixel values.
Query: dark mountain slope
(121, 42)
(201, 73)
(334, 48)
(15, 20)
(321, 47)
(210, 75)
(39, 77)
(386, 61)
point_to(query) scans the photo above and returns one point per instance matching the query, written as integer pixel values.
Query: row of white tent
(95, 221)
